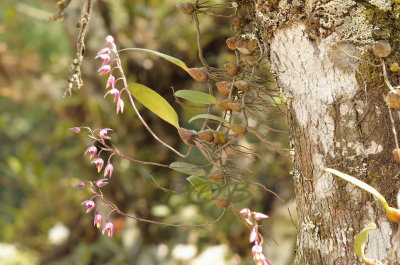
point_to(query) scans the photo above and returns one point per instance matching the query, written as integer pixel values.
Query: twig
(74, 73)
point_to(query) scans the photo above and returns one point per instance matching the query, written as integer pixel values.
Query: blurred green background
(41, 219)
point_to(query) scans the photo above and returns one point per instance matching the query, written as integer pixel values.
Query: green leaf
(201, 186)
(361, 240)
(196, 96)
(210, 117)
(360, 184)
(154, 102)
(171, 59)
(188, 168)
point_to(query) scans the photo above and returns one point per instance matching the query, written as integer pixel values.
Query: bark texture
(334, 122)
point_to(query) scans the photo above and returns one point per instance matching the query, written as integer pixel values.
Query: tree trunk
(333, 123)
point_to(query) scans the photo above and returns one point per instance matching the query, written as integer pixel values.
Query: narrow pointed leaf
(361, 240)
(360, 184)
(210, 117)
(201, 186)
(196, 96)
(154, 102)
(171, 59)
(188, 168)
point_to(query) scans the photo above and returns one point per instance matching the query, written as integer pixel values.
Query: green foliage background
(41, 160)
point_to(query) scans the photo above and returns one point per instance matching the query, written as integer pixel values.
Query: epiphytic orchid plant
(201, 180)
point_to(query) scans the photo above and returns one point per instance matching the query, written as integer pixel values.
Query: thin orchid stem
(160, 223)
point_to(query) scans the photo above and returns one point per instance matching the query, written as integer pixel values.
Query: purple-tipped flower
(92, 150)
(110, 81)
(245, 211)
(259, 216)
(104, 51)
(97, 220)
(120, 105)
(101, 183)
(253, 234)
(110, 229)
(258, 255)
(80, 185)
(104, 69)
(114, 92)
(110, 42)
(103, 133)
(105, 57)
(76, 129)
(109, 169)
(99, 163)
(89, 204)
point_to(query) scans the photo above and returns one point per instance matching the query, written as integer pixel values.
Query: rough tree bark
(337, 118)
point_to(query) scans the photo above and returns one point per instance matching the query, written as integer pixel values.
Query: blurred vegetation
(41, 219)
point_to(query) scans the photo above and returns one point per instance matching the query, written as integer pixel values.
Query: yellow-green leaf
(196, 96)
(360, 184)
(188, 168)
(171, 59)
(154, 102)
(201, 186)
(210, 117)
(361, 240)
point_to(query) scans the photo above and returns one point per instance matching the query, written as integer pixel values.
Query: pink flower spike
(97, 220)
(104, 69)
(76, 129)
(110, 81)
(92, 151)
(103, 51)
(89, 204)
(120, 106)
(109, 169)
(110, 229)
(103, 133)
(245, 211)
(80, 185)
(259, 216)
(105, 57)
(253, 234)
(99, 163)
(101, 183)
(114, 92)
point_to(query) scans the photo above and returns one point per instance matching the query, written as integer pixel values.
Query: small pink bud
(92, 151)
(110, 81)
(105, 57)
(114, 92)
(253, 234)
(89, 204)
(110, 229)
(110, 42)
(103, 133)
(104, 69)
(101, 183)
(245, 211)
(120, 105)
(97, 220)
(259, 216)
(109, 169)
(110, 39)
(80, 185)
(99, 163)
(76, 129)
(103, 51)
